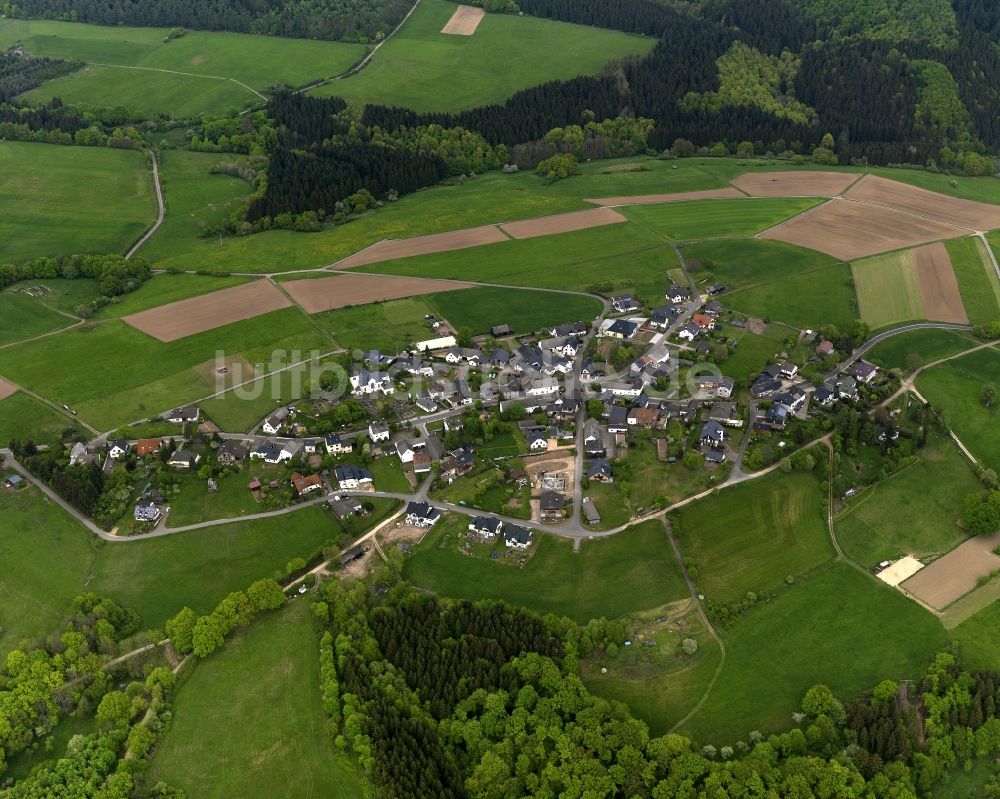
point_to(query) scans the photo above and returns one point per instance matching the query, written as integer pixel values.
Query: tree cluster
(350, 20)
(428, 695)
(22, 73)
(202, 635)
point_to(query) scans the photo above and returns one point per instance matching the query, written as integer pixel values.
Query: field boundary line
(178, 72)
(322, 330)
(668, 529)
(161, 213)
(993, 257)
(790, 219)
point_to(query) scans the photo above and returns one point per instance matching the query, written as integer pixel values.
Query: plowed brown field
(337, 291)
(794, 184)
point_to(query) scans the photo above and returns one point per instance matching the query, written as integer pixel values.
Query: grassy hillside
(71, 200)
(426, 70)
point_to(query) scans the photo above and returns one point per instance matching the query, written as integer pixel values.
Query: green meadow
(751, 537)
(22, 317)
(914, 512)
(629, 572)
(956, 387)
(426, 70)
(268, 673)
(888, 289)
(199, 72)
(710, 219)
(111, 373)
(26, 419)
(479, 309)
(71, 200)
(839, 627)
(916, 348)
(978, 281)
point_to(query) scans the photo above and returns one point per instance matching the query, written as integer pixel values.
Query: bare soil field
(562, 223)
(6, 389)
(464, 21)
(794, 184)
(401, 534)
(956, 574)
(326, 293)
(422, 245)
(849, 230)
(902, 569)
(677, 197)
(951, 210)
(564, 464)
(938, 285)
(185, 318)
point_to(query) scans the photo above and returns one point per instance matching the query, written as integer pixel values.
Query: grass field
(110, 373)
(956, 387)
(417, 68)
(979, 639)
(709, 219)
(138, 69)
(820, 630)
(268, 673)
(389, 326)
(774, 280)
(622, 253)
(22, 317)
(751, 537)
(61, 295)
(888, 289)
(753, 352)
(912, 513)
(910, 351)
(46, 555)
(626, 573)
(195, 200)
(71, 200)
(977, 279)
(25, 418)
(479, 309)
(660, 685)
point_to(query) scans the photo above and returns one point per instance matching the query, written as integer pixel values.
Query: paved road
(160, 213)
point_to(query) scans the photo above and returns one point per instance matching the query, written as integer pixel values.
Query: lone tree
(989, 395)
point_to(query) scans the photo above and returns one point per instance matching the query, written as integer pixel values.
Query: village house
(764, 386)
(864, 372)
(626, 303)
(274, 422)
(458, 462)
(661, 318)
(777, 416)
(599, 471)
(725, 413)
(343, 507)
(551, 505)
(645, 418)
(336, 445)
(306, 485)
(713, 455)
(618, 420)
(184, 415)
(13, 481)
(571, 329)
(714, 308)
(593, 439)
(231, 452)
(366, 383)
(270, 452)
(621, 329)
(183, 459)
(537, 441)
(351, 478)
(847, 388)
(689, 332)
(499, 331)
(590, 511)
(79, 454)
(146, 511)
(825, 395)
(378, 431)
(704, 321)
(717, 288)
(677, 293)
(825, 348)
(421, 514)
(118, 448)
(146, 446)
(516, 537)
(488, 527)
(713, 434)
(788, 370)
(792, 399)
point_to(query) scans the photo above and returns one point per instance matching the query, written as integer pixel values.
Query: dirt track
(326, 293)
(794, 184)
(849, 230)
(964, 213)
(562, 223)
(6, 389)
(464, 21)
(209, 311)
(938, 285)
(954, 575)
(676, 197)
(422, 245)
